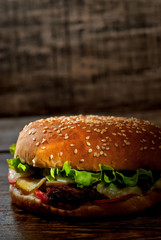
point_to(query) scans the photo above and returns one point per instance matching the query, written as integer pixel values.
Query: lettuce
(13, 149)
(141, 177)
(82, 178)
(15, 163)
(107, 175)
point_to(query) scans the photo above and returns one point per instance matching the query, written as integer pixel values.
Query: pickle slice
(29, 184)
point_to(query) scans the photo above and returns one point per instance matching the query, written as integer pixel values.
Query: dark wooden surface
(79, 56)
(19, 225)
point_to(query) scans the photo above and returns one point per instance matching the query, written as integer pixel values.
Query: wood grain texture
(79, 56)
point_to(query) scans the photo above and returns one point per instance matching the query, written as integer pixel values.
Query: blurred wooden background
(79, 56)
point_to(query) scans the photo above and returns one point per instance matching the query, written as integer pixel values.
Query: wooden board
(79, 56)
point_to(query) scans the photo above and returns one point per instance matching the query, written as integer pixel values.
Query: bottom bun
(123, 207)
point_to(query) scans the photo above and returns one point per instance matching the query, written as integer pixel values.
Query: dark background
(80, 56)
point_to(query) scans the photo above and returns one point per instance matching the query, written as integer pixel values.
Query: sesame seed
(51, 157)
(37, 144)
(88, 130)
(43, 140)
(126, 142)
(90, 150)
(42, 148)
(141, 149)
(88, 143)
(101, 152)
(116, 145)
(33, 161)
(95, 154)
(107, 148)
(98, 147)
(103, 140)
(66, 137)
(87, 137)
(34, 139)
(44, 131)
(75, 151)
(160, 146)
(81, 160)
(72, 145)
(143, 140)
(105, 154)
(152, 148)
(153, 142)
(60, 154)
(145, 148)
(103, 148)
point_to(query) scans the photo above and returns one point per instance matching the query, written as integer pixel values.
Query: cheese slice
(114, 192)
(157, 184)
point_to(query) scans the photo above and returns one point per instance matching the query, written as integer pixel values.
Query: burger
(83, 166)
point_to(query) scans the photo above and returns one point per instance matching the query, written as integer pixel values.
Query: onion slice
(29, 184)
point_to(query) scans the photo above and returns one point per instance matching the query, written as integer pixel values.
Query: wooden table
(17, 224)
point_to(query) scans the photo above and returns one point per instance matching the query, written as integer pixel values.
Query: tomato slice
(12, 180)
(42, 196)
(122, 198)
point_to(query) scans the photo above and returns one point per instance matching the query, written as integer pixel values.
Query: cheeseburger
(86, 166)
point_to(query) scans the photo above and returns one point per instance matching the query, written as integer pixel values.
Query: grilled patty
(70, 196)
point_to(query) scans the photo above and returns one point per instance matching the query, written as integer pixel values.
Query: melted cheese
(115, 192)
(157, 184)
(60, 180)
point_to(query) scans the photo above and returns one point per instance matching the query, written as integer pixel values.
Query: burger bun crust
(87, 141)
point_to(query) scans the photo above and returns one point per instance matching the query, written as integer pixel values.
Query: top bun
(87, 141)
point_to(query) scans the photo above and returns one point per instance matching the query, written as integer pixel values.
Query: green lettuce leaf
(15, 163)
(141, 177)
(107, 175)
(125, 180)
(13, 149)
(145, 178)
(82, 178)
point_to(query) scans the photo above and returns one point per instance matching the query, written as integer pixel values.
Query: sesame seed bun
(87, 141)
